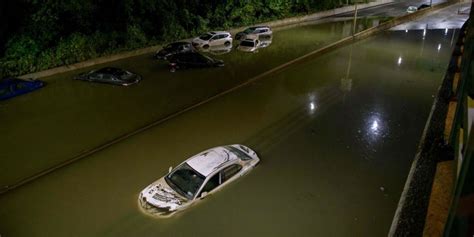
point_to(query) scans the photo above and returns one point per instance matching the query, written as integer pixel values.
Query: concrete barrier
(128, 54)
(410, 216)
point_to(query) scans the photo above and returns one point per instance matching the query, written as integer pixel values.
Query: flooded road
(67, 118)
(335, 143)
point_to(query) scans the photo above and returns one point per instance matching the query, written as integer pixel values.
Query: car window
(230, 171)
(20, 86)
(199, 58)
(249, 30)
(211, 184)
(96, 76)
(185, 180)
(4, 91)
(205, 36)
(185, 57)
(247, 43)
(108, 77)
(193, 58)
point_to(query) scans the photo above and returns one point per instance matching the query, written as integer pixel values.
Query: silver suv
(212, 38)
(260, 31)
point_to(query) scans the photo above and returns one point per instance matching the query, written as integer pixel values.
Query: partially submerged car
(212, 38)
(110, 75)
(412, 9)
(11, 87)
(218, 49)
(192, 60)
(265, 42)
(174, 48)
(253, 43)
(260, 31)
(249, 45)
(423, 6)
(196, 178)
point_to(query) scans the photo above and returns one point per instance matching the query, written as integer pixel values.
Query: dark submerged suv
(192, 60)
(110, 75)
(174, 48)
(11, 87)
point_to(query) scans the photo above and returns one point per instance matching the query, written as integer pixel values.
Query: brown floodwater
(68, 117)
(336, 136)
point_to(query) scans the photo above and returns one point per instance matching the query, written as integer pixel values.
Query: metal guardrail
(461, 135)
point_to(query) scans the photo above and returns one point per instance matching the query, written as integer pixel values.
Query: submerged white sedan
(195, 178)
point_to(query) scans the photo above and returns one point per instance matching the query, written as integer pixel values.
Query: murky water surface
(68, 117)
(336, 136)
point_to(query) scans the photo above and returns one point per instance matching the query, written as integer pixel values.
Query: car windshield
(185, 180)
(205, 36)
(249, 30)
(4, 91)
(247, 43)
(169, 46)
(242, 155)
(206, 58)
(122, 74)
(174, 45)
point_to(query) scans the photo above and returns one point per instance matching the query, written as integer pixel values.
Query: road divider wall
(435, 145)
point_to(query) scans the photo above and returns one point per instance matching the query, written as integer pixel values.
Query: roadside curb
(233, 31)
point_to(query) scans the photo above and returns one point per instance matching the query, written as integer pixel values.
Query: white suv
(212, 38)
(260, 31)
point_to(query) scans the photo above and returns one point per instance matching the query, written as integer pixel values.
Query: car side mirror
(203, 194)
(170, 169)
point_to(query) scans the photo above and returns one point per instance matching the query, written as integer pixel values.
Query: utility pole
(355, 20)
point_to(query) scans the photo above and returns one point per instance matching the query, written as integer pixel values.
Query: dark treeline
(40, 34)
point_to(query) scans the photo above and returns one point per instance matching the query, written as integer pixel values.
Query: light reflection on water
(326, 150)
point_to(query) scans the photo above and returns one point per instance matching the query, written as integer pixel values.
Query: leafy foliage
(42, 34)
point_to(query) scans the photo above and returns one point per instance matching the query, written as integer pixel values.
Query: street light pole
(355, 20)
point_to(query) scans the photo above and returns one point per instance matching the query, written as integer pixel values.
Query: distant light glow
(312, 103)
(375, 126)
(406, 31)
(399, 60)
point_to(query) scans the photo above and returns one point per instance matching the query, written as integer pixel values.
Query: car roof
(10, 80)
(252, 37)
(208, 161)
(254, 41)
(111, 70)
(179, 43)
(184, 54)
(218, 32)
(258, 27)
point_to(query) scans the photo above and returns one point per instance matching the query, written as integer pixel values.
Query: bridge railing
(460, 135)
(448, 135)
